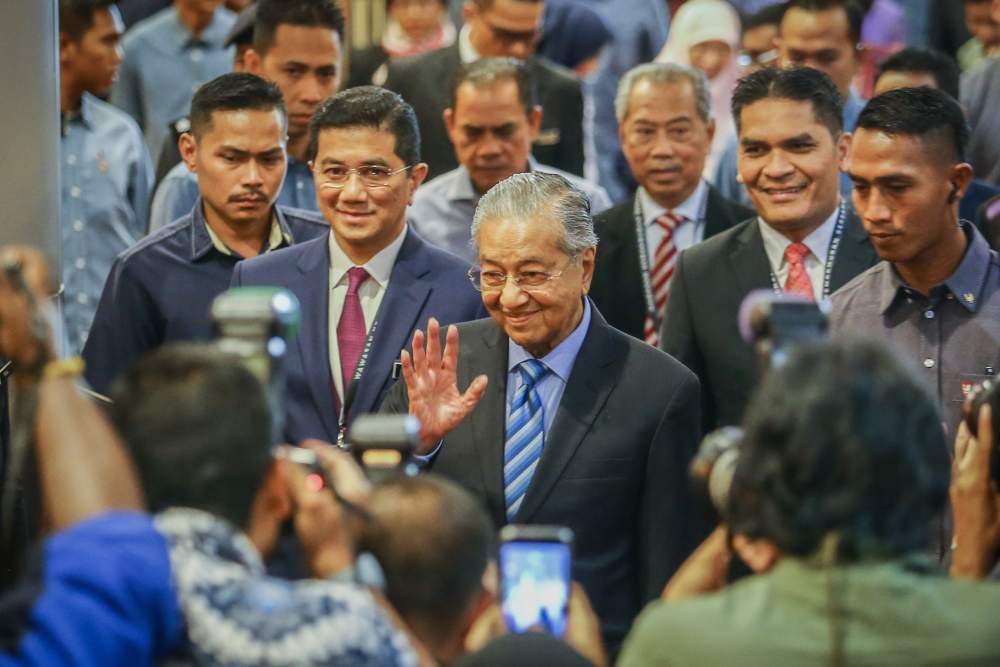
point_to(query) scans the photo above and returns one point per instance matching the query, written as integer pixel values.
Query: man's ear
(535, 121)
(66, 44)
(960, 176)
(188, 146)
(760, 555)
(843, 149)
(418, 173)
(711, 131)
(449, 122)
(251, 61)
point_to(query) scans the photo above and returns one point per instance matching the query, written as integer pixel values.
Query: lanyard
(831, 253)
(352, 389)
(644, 263)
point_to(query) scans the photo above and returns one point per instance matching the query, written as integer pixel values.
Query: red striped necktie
(798, 278)
(662, 271)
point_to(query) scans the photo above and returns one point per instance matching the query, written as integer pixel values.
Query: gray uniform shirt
(951, 336)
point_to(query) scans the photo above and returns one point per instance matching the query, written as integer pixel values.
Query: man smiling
(371, 279)
(161, 289)
(805, 240)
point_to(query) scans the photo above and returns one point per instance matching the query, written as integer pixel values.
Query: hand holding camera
(974, 498)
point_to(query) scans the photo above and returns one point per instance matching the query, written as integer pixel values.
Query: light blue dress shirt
(559, 361)
(725, 173)
(163, 66)
(443, 208)
(106, 179)
(178, 191)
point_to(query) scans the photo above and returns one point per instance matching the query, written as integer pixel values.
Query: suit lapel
(855, 253)
(747, 259)
(488, 420)
(396, 320)
(716, 215)
(590, 383)
(314, 337)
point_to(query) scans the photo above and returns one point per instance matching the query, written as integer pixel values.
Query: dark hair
(76, 17)
(854, 10)
(770, 15)
(234, 91)
(198, 426)
(433, 540)
(843, 439)
(802, 84)
(369, 106)
(943, 68)
(307, 13)
(488, 71)
(929, 114)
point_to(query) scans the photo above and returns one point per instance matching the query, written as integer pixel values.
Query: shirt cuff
(425, 460)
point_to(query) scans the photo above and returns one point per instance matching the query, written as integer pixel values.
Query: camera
(714, 464)
(774, 324)
(383, 445)
(988, 392)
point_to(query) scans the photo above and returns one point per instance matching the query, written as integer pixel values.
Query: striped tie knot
(532, 371)
(669, 221)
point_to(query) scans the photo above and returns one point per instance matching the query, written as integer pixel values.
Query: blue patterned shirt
(163, 66)
(178, 191)
(106, 181)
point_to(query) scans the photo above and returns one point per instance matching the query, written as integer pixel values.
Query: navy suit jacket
(425, 282)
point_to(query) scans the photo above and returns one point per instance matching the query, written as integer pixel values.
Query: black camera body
(988, 392)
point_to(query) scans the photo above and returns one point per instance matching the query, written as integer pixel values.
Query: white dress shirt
(818, 243)
(370, 293)
(688, 233)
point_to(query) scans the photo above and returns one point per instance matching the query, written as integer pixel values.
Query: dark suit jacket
(617, 283)
(363, 65)
(614, 467)
(700, 326)
(425, 282)
(425, 82)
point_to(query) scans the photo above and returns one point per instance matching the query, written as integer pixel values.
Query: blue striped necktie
(525, 436)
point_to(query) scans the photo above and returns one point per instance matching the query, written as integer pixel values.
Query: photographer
(842, 469)
(198, 424)
(98, 591)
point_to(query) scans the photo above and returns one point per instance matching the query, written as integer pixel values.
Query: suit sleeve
(672, 520)
(127, 323)
(677, 336)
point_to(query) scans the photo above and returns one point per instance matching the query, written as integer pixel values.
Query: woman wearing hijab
(706, 35)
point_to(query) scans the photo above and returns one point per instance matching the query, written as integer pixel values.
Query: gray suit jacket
(614, 467)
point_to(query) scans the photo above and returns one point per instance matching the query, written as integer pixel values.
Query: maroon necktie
(351, 332)
(661, 273)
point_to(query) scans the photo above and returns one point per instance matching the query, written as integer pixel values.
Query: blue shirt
(106, 181)
(443, 209)
(559, 362)
(178, 191)
(108, 597)
(163, 65)
(726, 171)
(162, 289)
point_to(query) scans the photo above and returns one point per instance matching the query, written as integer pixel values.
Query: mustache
(249, 196)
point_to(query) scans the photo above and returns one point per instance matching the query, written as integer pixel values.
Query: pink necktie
(351, 332)
(798, 278)
(661, 273)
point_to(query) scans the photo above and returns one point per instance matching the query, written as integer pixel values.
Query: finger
(419, 353)
(475, 392)
(961, 445)
(348, 478)
(433, 344)
(983, 449)
(451, 349)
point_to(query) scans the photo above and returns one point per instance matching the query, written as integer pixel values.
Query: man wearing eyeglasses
(564, 419)
(364, 287)
(493, 29)
(161, 289)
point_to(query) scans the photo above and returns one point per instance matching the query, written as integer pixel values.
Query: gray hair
(540, 195)
(664, 73)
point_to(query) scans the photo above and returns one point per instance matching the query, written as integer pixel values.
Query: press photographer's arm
(975, 501)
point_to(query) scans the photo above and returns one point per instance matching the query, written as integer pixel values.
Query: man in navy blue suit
(370, 281)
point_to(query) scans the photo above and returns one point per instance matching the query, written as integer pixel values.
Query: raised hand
(433, 387)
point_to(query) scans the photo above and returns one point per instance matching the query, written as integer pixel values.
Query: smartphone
(536, 568)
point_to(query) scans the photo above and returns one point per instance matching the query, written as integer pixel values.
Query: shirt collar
(204, 240)
(214, 33)
(379, 267)
(466, 51)
(818, 240)
(560, 360)
(966, 283)
(461, 188)
(691, 208)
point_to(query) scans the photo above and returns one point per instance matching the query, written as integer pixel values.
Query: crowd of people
(546, 232)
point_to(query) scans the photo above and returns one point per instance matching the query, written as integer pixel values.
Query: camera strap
(831, 254)
(351, 390)
(644, 257)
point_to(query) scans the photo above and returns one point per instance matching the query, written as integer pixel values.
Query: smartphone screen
(535, 585)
